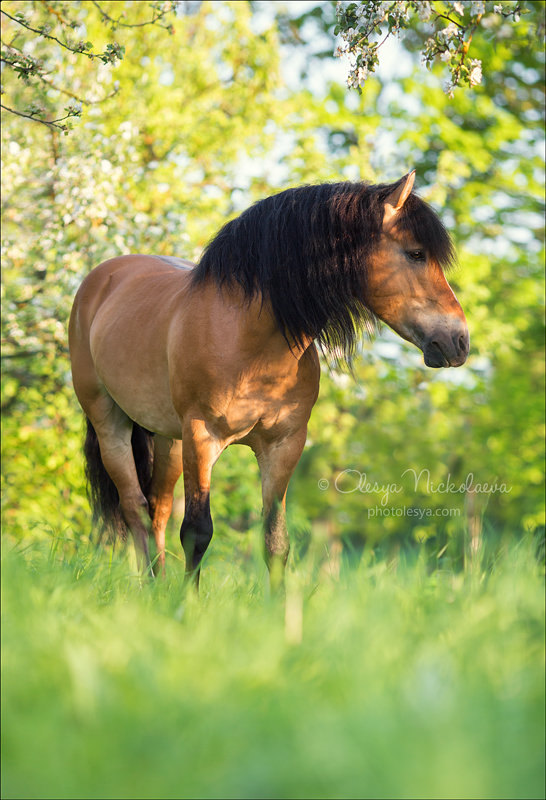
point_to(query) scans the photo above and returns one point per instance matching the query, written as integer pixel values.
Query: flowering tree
(450, 27)
(42, 44)
(201, 126)
(193, 134)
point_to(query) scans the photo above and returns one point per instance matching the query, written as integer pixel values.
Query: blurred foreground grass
(394, 680)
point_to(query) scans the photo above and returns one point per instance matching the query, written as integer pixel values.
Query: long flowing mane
(306, 251)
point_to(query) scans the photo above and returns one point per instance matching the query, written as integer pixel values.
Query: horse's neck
(258, 321)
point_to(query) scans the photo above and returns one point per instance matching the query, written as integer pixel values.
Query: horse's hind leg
(166, 471)
(114, 428)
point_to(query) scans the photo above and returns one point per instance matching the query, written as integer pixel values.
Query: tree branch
(40, 76)
(117, 22)
(454, 21)
(50, 123)
(75, 96)
(48, 36)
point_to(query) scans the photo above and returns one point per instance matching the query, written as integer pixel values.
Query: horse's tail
(103, 495)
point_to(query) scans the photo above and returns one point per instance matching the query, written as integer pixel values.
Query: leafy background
(188, 142)
(241, 100)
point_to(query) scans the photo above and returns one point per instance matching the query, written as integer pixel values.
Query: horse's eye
(416, 255)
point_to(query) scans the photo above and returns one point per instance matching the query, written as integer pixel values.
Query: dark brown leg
(200, 452)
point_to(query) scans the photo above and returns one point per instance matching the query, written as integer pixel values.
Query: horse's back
(179, 263)
(132, 278)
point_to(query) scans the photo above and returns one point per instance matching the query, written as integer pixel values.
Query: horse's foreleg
(200, 452)
(277, 461)
(166, 471)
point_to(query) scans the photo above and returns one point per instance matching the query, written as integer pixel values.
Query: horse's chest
(271, 402)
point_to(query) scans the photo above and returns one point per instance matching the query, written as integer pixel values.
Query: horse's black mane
(306, 252)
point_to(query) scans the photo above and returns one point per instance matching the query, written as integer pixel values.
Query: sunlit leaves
(58, 32)
(186, 143)
(197, 130)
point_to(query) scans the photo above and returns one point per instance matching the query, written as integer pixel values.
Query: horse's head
(407, 288)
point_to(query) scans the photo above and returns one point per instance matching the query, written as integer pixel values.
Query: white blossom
(475, 76)
(449, 88)
(361, 74)
(424, 10)
(383, 7)
(448, 32)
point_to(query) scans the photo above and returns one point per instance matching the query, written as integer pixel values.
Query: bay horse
(165, 352)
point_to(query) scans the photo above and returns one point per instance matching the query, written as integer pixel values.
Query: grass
(395, 680)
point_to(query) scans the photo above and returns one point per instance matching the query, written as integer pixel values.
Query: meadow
(399, 676)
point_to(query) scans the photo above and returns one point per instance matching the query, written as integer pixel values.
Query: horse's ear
(397, 198)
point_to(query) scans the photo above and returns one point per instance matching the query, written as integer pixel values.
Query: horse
(173, 361)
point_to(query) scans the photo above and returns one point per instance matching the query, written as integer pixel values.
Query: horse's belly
(150, 413)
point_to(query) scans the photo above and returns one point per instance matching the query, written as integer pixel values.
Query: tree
(479, 159)
(203, 124)
(37, 38)
(184, 144)
(452, 26)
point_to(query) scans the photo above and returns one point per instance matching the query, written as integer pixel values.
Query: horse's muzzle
(446, 348)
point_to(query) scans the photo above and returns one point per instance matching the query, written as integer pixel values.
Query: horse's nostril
(460, 343)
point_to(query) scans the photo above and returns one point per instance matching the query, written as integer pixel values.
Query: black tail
(103, 495)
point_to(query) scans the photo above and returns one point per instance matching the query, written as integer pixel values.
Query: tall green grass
(396, 679)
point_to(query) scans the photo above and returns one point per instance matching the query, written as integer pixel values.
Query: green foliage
(396, 680)
(450, 27)
(480, 156)
(187, 147)
(187, 142)
(47, 35)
